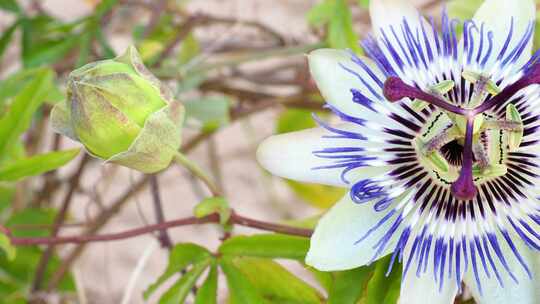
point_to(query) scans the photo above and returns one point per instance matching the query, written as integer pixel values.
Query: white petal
(423, 289)
(291, 156)
(527, 291)
(386, 13)
(336, 74)
(497, 16)
(335, 246)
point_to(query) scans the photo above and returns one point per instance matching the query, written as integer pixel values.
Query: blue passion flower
(439, 144)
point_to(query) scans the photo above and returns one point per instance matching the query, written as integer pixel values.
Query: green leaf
(18, 119)
(36, 165)
(276, 283)
(348, 286)
(46, 40)
(153, 46)
(207, 294)
(180, 290)
(208, 113)
(104, 7)
(7, 248)
(321, 13)
(266, 246)
(181, 256)
(20, 272)
(14, 84)
(240, 288)
(463, 9)
(325, 278)
(306, 223)
(341, 34)
(7, 192)
(108, 52)
(189, 49)
(337, 15)
(10, 5)
(382, 288)
(31, 216)
(50, 52)
(363, 3)
(294, 120)
(214, 205)
(5, 39)
(320, 196)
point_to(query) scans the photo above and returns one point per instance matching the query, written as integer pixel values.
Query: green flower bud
(121, 113)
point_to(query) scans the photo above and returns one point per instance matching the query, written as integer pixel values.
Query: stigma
(470, 122)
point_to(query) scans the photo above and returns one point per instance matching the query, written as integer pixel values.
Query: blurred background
(237, 65)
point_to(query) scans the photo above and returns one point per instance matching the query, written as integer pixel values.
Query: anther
(531, 77)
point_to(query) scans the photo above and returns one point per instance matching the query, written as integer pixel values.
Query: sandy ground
(104, 269)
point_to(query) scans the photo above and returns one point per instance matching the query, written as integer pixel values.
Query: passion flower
(121, 113)
(439, 145)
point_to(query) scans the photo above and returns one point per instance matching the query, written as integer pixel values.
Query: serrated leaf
(349, 286)
(180, 290)
(208, 113)
(17, 120)
(36, 165)
(5, 245)
(181, 256)
(276, 283)
(382, 288)
(266, 246)
(207, 293)
(240, 288)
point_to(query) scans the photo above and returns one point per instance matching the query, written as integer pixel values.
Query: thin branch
(157, 10)
(213, 218)
(60, 218)
(163, 237)
(97, 224)
(82, 239)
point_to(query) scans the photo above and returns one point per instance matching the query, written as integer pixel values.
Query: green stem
(182, 160)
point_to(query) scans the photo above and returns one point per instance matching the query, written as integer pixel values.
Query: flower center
(456, 141)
